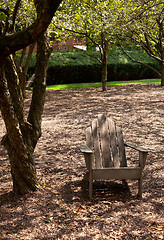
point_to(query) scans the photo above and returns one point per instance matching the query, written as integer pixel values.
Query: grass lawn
(99, 84)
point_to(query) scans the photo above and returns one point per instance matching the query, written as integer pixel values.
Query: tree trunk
(162, 74)
(17, 139)
(104, 76)
(22, 135)
(26, 67)
(22, 70)
(22, 166)
(39, 85)
(104, 63)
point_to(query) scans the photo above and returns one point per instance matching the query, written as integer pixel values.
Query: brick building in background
(69, 44)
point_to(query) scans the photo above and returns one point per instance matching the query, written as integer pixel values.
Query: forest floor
(60, 209)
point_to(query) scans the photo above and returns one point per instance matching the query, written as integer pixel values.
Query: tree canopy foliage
(143, 24)
(94, 20)
(108, 23)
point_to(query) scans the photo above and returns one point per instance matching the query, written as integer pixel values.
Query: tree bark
(22, 135)
(104, 76)
(22, 70)
(104, 63)
(39, 85)
(16, 141)
(162, 74)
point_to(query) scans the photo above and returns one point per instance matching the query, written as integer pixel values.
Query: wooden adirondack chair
(105, 157)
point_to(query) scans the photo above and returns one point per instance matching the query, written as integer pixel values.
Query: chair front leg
(90, 178)
(90, 184)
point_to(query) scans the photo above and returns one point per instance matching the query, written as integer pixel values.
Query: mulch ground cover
(61, 209)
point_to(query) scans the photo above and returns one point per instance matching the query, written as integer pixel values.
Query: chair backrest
(106, 141)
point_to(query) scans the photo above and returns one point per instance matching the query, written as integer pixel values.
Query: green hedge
(78, 67)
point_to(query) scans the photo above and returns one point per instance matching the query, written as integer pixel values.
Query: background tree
(23, 133)
(143, 24)
(95, 20)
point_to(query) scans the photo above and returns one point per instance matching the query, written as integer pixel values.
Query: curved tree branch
(16, 41)
(144, 64)
(6, 11)
(14, 15)
(86, 35)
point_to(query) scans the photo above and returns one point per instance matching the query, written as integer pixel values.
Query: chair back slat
(104, 141)
(113, 142)
(123, 161)
(89, 143)
(96, 144)
(89, 138)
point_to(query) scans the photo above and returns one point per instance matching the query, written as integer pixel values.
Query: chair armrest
(88, 155)
(142, 154)
(85, 149)
(138, 148)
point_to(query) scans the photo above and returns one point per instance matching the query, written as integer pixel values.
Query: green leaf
(90, 21)
(2, 16)
(10, 21)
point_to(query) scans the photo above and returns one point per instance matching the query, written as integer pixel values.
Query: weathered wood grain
(113, 141)
(123, 161)
(104, 140)
(96, 144)
(133, 173)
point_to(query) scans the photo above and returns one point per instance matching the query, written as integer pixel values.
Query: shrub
(78, 67)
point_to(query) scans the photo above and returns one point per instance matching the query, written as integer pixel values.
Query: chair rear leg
(140, 187)
(86, 177)
(125, 184)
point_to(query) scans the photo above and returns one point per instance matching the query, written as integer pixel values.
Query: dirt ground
(61, 208)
